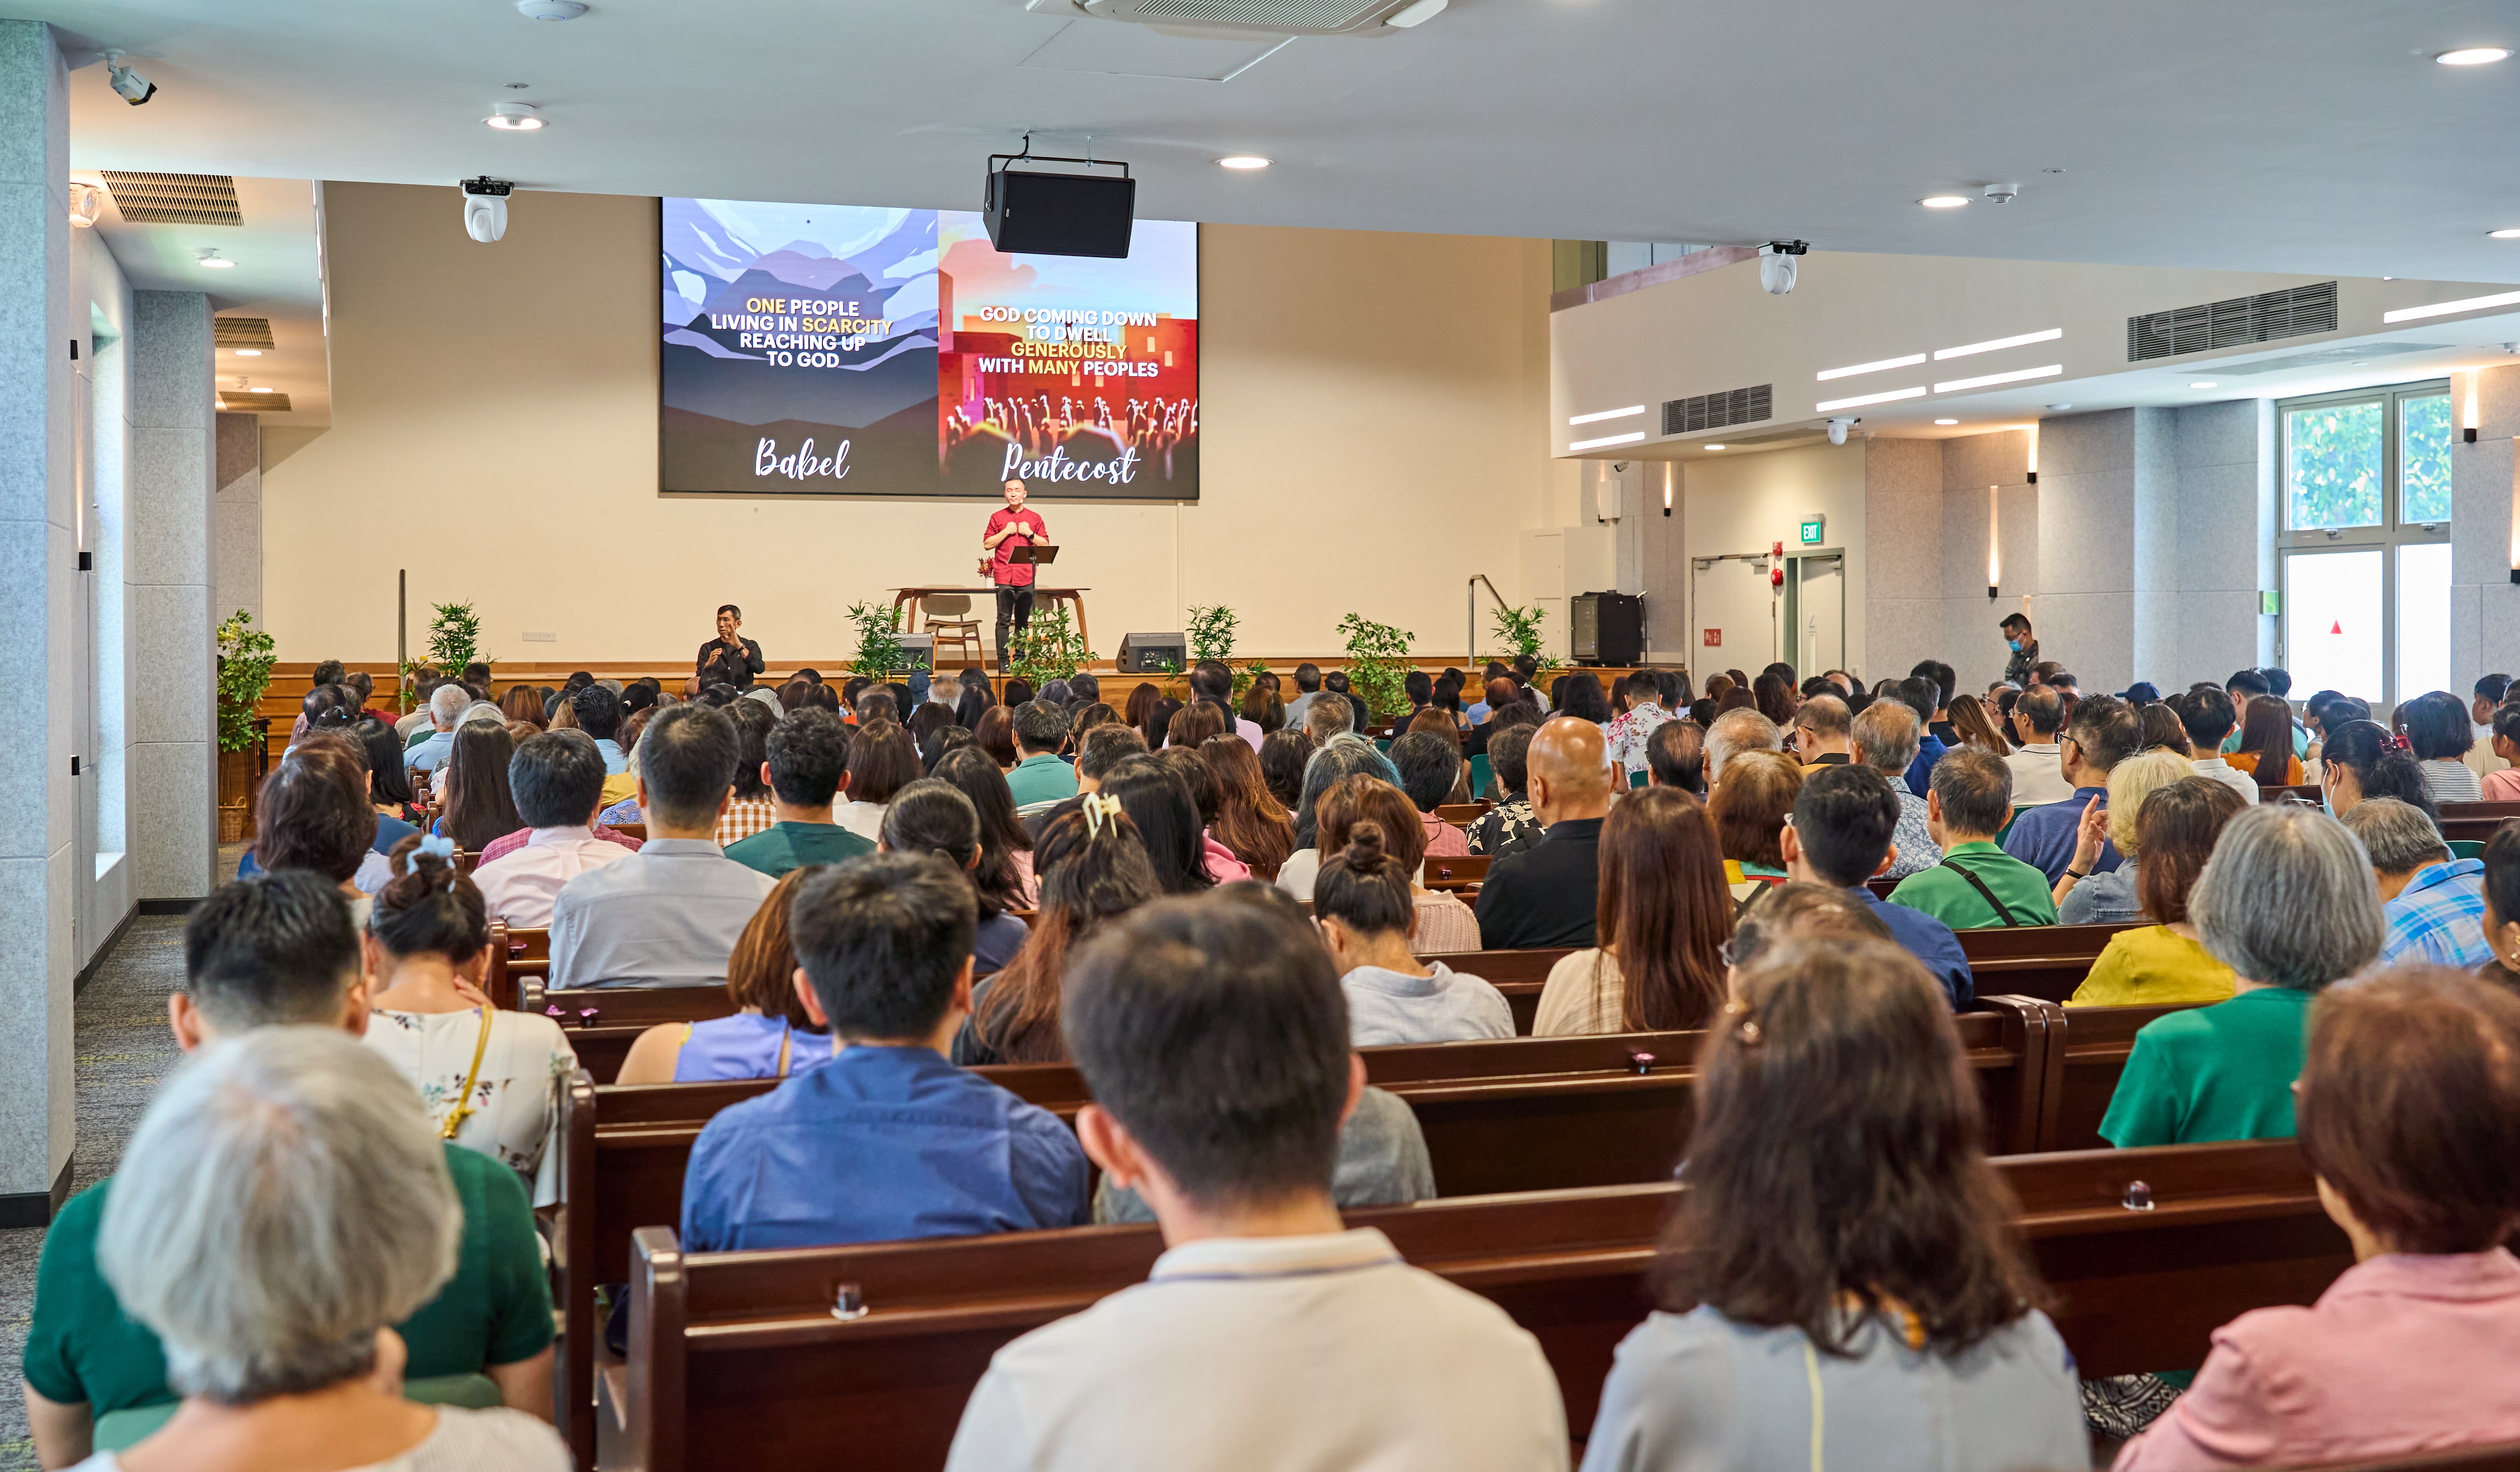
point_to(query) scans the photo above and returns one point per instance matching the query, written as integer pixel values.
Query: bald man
(1544, 895)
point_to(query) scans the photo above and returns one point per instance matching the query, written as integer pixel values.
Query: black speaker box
(1606, 628)
(1152, 654)
(1061, 214)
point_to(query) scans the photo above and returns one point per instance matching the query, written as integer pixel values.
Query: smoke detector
(1210, 19)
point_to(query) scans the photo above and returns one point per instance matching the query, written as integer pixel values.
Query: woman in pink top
(2410, 1098)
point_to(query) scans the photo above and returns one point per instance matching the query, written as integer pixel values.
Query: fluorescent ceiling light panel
(2452, 308)
(1989, 381)
(1614, 439)
(1861, 399)
(1963, 351)
(1607, 414)
(1909, 361)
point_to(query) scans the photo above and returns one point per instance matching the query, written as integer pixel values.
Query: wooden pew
(1460, 872)
(514, 956)
(602, 1022)
(2087, 1054)
(2476, 821)
(741, 1354)
(2046, 962)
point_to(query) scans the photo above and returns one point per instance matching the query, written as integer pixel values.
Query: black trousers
(1014, 610)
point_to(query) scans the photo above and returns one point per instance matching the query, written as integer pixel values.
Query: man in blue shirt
(598, 714)
(2432, 903)
(1839, 835)
(886, 1140)
(2103, 733)
(446, 705)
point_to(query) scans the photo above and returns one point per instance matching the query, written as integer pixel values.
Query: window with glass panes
(2365, 541)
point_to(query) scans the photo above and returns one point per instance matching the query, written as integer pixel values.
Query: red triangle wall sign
(2336, 628)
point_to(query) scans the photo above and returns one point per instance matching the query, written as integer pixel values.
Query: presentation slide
(842, 350)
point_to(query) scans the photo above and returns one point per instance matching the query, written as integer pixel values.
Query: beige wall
(1375, 407)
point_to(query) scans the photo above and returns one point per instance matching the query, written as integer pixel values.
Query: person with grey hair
(1325, 718)
(2038, 767)
(1040, 778)
(448, 710)
(1344, 756)
(1735, 731)
(281, 1205)
(1885, 738)
(2289, 903)
(1823, 732)
(277, 952)
(2432, 903)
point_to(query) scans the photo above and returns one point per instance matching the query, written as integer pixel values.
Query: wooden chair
(958, 628)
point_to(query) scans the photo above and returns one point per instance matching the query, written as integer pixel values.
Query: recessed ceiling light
(211, 259)
(248, 352)
(2501, 235)
(551, 10)
(2473, 56)
(1944, 201)
(1947, 421)
(1714, 447)
(1242, 160)
(514, 117)
(2204, 383)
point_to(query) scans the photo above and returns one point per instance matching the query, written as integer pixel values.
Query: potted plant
(1378, 665)
(1519, 629)
(878, 651)
(454, 641)
(1050, 649)
(245, 663)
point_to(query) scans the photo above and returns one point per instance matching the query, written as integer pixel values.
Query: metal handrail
(1472, 644)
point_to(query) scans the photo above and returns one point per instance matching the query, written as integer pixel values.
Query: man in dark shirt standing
(1546, 895)
(730, 658)
(2023, 646)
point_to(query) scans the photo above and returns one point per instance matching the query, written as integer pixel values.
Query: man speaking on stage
(1009, 529)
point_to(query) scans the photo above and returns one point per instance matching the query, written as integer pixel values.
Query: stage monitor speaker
(917, 652)
(1152, 654)
(1061, 214)
(1606, 628)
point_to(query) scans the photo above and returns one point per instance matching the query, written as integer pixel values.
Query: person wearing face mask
(2025, 649)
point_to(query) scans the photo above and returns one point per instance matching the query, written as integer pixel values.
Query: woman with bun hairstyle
(1094, 869)
(1367, 912)
(2362, 761)
(489, 1077)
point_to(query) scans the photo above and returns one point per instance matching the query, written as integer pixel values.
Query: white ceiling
(2285, 135)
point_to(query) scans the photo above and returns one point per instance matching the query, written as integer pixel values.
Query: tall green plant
(878, 627)
(1050, 649)
(1377, 662)
(1519, 629)
(454, 637)
(1211, 632)
(245, 662)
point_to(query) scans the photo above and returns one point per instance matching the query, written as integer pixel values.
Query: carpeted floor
(124, 1050)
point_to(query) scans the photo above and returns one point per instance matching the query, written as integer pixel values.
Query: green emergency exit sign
(1813, 529)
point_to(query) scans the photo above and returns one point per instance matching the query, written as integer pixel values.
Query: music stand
(1036, 555)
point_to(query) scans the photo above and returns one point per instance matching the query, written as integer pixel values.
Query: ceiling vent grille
(1715, 411)
(2294, 312)
(174, 199)
(233, 402)
(245, 331)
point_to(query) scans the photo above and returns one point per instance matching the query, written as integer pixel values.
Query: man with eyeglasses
(2103, 733)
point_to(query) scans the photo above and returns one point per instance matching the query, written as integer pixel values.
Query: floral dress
(515, 1097)
(1627, 734)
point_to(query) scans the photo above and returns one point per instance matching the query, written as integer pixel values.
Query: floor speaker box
(1152, 654)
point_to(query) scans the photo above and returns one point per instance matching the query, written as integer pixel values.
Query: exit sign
(1812, 530)
(1715, 638)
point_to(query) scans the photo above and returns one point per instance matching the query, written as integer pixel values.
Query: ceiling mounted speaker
(1279, 18)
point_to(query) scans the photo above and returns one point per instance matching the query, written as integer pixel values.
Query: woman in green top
(2163, 965)
(2289, 904)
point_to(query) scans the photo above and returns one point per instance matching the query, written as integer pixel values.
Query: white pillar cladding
(2223, 555)
(1662, 543)
(173, 800)
(2484, 602)
(39, 583)
(1903, 522)
(2107, 600)
(238, 560)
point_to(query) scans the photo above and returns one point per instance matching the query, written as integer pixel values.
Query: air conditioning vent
(174, 199)
(2294, 312)
(1279, 18)
(1715, 411)
(243, 332)
(257, 402)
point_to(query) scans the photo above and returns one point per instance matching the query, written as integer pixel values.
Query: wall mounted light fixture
(1994, 547)
(2469, 420)
(2034, 454)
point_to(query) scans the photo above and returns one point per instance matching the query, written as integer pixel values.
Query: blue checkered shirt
(2439, 916)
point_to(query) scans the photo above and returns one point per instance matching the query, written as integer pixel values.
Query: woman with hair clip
(1840, 1285)
(1159, 803)
(933, 816)
(1004, 875)
(767, 1036)
(1368, 914)
(489, 1077)
(2363, 760)
(2265, 745)
(1094, 869)
(1249, 821)
(1665, 915)
(475, 805)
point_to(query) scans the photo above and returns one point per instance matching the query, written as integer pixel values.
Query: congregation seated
(804, 759)
(2502, 898)
(1734, 732)
(2432, 902)
(488, 1075)
(2362, 760)
(1549, 894)
(1974, 727)
(2084, 894)
(1283, 756)
(2266, 754)
(2504, 785)
(1676, 757)
(2206, 716)
(1654, 699)
(476, 806)
(446, 705)
(398, 812)
(1335, 713)
(1749, 807)
(2411, 1080)
(1093, 871)
(2166, 962)
(933, 816)
(995, 735)
(2289, 903)
(882, 760)
(670, 914)
(1369, 918)
(1511, 826)
(1663, 918)
(1431, 769)
(1886, 736)
(1159, 803)
(555, 779)
(1823, 731)
(1103, 748)
(2439, 732)
(1251, 823)
(1005, 875)
(1843, 1244)
(312, 814)
(2101, 733)
(752, 808)
(1340, 757)
(1840, 835)
(1781, 913)
(1443, 925)
(1264, 1324)
(1189, 766)
(887, 1139)
(1195, 723)
(1976, 884)
(767, 1036)
(2038, 769)
(278, 953)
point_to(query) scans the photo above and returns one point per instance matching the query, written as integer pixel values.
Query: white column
(173, 812)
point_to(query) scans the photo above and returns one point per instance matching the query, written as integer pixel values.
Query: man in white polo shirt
(1268, 1336)
(2037, 770)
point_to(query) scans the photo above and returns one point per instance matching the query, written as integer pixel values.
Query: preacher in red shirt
(1007, 529)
